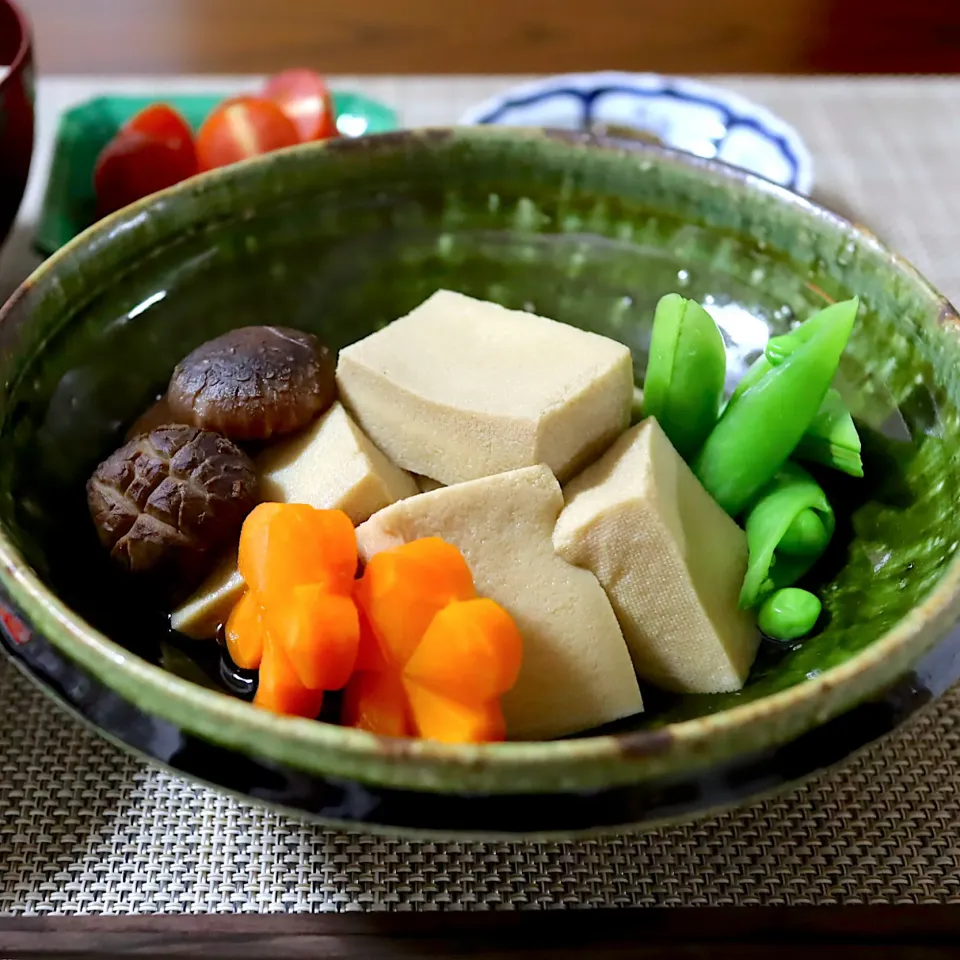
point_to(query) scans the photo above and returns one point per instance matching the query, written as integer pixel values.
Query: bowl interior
(341, 241)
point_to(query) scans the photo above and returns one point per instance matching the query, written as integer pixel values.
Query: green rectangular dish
(69, 202)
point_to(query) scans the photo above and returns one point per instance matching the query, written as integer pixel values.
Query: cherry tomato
(161, 122)
(303, 96)
(243, 127)
(134, 165)
(152, 151)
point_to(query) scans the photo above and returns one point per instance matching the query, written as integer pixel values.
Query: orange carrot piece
(280, 689)
(376, 702)
(333, 533)
(471, 652)
(254, 541)
(441, 564)
(320, 634)
(284, 545)
(402, 590)
(436, 717)
(245, 632)
(370, 659)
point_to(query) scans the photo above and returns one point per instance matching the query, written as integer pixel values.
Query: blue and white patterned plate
(697, 117)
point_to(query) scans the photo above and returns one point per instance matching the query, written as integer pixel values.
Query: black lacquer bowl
(16, 111)
(341, 238)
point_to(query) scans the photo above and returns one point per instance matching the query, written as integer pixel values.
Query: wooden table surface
(855, 933)
(497, 36)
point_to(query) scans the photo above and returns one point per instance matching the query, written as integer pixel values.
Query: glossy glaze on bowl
(340, 239)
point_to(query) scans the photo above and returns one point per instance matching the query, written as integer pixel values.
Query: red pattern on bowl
(16, 112)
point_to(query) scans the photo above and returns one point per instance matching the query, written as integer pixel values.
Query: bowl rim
(587, 762)
(23, 51)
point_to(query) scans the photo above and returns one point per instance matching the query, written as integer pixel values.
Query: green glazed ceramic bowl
(341, 238)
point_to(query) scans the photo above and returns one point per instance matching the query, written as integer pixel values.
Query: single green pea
(757, 434)
(779, 348)
(832, 438)
(685, 374)
(789, 614)
(806, 535)
(788, 527)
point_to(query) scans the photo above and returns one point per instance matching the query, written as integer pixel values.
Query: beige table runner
(85, 829)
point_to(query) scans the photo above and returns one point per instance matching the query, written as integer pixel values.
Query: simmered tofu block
(672, 563)
(201, 614)
(331, 466)
(461, 389)
(576, 671)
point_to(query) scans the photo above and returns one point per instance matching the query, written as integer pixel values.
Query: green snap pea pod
(832, 438)
(789, 614)
(683, 385)
(755, 436)
(779, 348)
(755, 373)
(788, 527)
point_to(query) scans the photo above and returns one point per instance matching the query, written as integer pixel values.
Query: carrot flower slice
(403, 589)
(280, 689)
(298, 620)
(471, 651)
(437, 717)
(286, 545)
(434, 657)
(377, 702)
(320, 634)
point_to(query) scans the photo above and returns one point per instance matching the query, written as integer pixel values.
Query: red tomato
(243, 127)
(303, 96)
(152, 151)
(134, 165)
(163, 123)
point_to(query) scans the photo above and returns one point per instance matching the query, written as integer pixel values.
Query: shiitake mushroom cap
(166, 502)
(254, 383)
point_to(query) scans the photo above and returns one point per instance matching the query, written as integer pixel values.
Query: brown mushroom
(254, 383)
(164, 503)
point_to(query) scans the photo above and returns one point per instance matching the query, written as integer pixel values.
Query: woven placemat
(86, 829)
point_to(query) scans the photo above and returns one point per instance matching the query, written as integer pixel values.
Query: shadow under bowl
(16, 111)
(341, 238)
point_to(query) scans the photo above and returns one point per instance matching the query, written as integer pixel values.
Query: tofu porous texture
(461, 389)
(576, 671)
(331, 466)
(672, 563)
